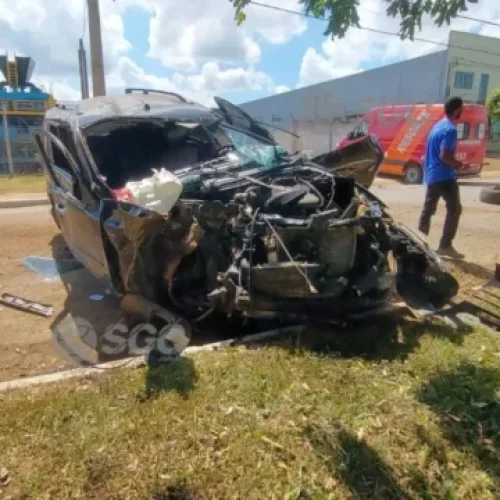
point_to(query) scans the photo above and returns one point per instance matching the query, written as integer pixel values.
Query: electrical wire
(458, 16)
(374, 30)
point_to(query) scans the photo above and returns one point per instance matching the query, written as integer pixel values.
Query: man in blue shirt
(441, 178)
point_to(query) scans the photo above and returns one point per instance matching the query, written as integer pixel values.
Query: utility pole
(96, 55)
(6, 138)
(82, 63)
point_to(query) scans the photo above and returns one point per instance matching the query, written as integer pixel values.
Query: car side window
(480, 131)
(58, 157)
(356, 132)
(463, 131)
(64, 171)
(360, 131)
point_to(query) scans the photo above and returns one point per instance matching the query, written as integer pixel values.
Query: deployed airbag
(159, 192)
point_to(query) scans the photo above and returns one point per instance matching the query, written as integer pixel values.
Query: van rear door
(409, 137)
(472, 133)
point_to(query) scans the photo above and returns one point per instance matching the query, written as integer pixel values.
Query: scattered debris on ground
(50, 268)
(26, 305)
(484, 302)
(4, 477)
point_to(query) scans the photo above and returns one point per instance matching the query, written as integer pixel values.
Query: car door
(76, 209)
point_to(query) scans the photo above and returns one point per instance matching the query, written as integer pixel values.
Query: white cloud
(48, 31)
(348, 55)
(127, 73)
(281, 88)
(202, 37)
(200, 31)
(199, 87)
(317, 67)
(61, 90)
(213, 79)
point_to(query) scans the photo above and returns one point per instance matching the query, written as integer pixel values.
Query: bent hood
(360, 160)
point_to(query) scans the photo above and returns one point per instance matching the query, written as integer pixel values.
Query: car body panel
(78, 220)
(360, 160)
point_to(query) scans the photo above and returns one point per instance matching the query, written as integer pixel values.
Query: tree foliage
(493, 104)
(343, 14)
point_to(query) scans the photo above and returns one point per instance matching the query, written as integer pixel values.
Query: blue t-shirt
(442, 137)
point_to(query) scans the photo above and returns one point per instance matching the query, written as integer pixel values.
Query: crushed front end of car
(285, 237)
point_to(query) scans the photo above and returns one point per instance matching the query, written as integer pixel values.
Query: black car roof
(90, 111)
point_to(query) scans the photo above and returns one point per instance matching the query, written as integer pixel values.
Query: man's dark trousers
(450, 192)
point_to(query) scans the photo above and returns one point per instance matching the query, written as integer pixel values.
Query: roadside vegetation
(22, 184)
(409, 412)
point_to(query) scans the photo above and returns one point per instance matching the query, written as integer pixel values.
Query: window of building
(481, 131)
(464, 80)
(483, 88)
(463, 131)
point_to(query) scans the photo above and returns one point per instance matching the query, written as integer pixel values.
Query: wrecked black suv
(180, 208)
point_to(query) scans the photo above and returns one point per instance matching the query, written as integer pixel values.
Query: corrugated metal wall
(322, 114)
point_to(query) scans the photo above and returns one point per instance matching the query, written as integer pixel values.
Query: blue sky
(194, 47)
(303, 56)
(282, 60)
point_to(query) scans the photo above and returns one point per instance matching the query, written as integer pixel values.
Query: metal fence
(21, 136)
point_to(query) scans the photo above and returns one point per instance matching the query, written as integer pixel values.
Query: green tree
(493, 105)
(343, 14)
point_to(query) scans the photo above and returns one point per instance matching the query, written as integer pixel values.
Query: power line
(373, 30)
(468, 18)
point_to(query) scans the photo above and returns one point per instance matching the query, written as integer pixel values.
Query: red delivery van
(402, 132)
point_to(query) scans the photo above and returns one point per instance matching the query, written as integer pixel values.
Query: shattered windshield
(249, 147)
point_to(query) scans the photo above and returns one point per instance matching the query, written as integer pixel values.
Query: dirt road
(479, 231)
(26, 340)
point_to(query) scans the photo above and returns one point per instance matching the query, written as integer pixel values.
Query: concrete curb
(24, 202)
(139, 361)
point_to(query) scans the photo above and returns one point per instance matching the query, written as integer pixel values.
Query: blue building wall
(417, 80)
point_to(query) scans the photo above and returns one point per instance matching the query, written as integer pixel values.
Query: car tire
(490, 195)
(413, 174)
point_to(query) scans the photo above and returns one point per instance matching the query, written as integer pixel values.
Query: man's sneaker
(450, 253)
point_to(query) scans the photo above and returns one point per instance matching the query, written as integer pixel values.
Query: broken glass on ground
(50, 268)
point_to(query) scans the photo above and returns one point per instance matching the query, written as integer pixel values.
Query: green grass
(417, 417)
(23, 184)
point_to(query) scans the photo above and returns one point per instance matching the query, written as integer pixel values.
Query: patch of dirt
(477, 238)
(26, 345)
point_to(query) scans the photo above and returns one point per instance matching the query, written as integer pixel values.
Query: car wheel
(413, 174)
(490, 195)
